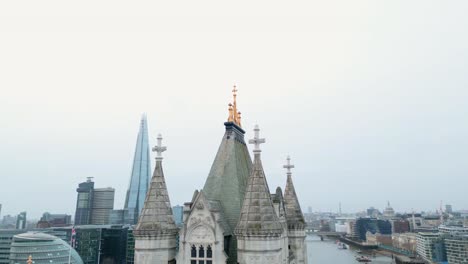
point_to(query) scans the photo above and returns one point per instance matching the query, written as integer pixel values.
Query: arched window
(204, 256)
(194, 251)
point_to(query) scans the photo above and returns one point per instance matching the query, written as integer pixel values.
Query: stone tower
(155, 234)
(260, 235)
(228, 177)
(295, 220)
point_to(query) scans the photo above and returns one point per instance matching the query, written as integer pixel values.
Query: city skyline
(368, 99)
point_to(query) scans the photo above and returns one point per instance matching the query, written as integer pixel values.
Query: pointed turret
(294, 215)
(258, 216)
(229, 173)
(294, 219)
(155, 233)
(228, 176)
(260, 235)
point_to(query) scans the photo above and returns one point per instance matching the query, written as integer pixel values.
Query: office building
(94, 205)
(54, 220)
(21, 221)
(102, 205)
(431, 247)
(84, 202)
(372, 225)
(457, 249)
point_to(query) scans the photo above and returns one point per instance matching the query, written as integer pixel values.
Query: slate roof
(229, 173)
(258, 216)
(156, 216)
(294, 216)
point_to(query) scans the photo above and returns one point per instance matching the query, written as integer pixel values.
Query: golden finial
(29, 260)
(234, 115)
(234, 103)
(231, 114)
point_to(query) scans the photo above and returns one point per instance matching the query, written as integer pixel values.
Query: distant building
(431, 221)
(139, 180)
(372, 212)
(406, 242)
(400, 226)
(372, 225)
(9, 222)
(54, 220)
(21, 221)
(6, 237)
(453, 230)
(389, 213)
(93, 205)
(448, 209)
(178, 212)
(101, 243)
(42, 248)
(140, 177)
(84, 202)
(102, 205)
(457, 249)
(378, 239)
(431, 247)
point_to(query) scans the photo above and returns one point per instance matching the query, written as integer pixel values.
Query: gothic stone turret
(260, 235)
(295, 220)
(155, 233)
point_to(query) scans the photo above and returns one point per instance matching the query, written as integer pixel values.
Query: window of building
(204, 255)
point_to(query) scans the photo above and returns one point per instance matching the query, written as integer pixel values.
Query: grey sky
(368, 97)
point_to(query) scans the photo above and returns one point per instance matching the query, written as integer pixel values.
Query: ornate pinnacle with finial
(257, 140)
(159, 148)
(288, 165)
(231, 114)
(29, 260)
(234, 115)
(234, 105)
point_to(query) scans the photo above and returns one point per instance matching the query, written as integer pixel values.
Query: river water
(327, 252)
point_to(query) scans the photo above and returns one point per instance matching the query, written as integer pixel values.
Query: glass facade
(130, 246)
(139, 180)
(178, 212)
(43, 248)
(84, 203)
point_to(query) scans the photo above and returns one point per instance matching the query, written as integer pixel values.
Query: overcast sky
(368, 97)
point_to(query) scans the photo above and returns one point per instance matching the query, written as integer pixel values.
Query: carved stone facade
(202, 236)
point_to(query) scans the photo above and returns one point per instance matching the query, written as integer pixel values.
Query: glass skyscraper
(139, 180)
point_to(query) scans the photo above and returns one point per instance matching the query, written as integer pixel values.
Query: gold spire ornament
(231, 114)
(29, 260)
(234, 115)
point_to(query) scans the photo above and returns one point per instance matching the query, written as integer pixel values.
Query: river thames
(327, 252)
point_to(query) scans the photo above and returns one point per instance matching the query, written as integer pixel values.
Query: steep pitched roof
(258, 216)
(156, 216)
(229, 173)
(294, 216)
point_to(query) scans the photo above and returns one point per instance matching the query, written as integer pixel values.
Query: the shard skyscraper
(139, 180)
